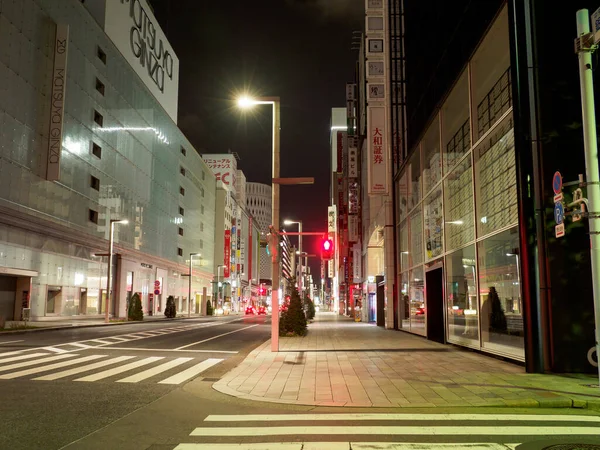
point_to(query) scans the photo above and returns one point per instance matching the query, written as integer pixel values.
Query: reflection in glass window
(499, 287)
(415, 252)
(456, 129)
(496, 180)
(417, 301)
(403, 238)
(403, 196)
(404, 301)
(414, 179)
(432, 159)
(434, 238)
(461, 296)
(458, 202)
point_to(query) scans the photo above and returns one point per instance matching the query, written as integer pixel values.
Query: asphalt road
(148, 386)
(59, 386)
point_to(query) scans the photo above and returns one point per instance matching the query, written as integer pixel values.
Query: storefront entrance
(434, 292)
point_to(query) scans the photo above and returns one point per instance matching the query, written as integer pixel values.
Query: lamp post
(113, 222)
(246, 102)
(219, 284)
(190, 284)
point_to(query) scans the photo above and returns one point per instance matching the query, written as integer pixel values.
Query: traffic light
(327, 249)
(272, 244)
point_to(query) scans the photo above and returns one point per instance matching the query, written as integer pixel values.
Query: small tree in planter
(209, 308)
(170, 311)
(497, 316)
(135, 308)
(293, 321)
(309, 306)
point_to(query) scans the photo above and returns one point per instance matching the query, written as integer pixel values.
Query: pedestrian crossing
(408, 431)
(51, 366)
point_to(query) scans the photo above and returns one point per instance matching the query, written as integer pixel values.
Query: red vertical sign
(227, 253)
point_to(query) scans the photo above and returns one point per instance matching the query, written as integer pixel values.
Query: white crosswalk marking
(87, 368)
(118, 370)
(56, 350)
(21, 357)
(37, 361)
(154, 371)
(192, 371)
(343, 446)
(72, 362)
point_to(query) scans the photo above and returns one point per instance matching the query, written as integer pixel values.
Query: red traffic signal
(327, 249)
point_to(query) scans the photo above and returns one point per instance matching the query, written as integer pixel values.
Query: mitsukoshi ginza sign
(135, 31)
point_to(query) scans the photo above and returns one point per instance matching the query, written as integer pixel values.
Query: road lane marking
(11, 342)
(37, 361)
(405, 416)
(347, 446)
(72, 362)
(121, 369)
(214, 337)
(154, 371)
(192, 371)
(20, 357)
(396, 431)
(133, 349)
(78, 370)
(77, 344)
(56, 350)
(98, 340)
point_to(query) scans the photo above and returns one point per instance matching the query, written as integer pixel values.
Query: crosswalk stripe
(77, 344)
(100, 341)
(72, 362)
(192, 371)
(405, 416)
(118, 370)
(16, 352)
(154, 371)
(118, 339)
(145, 334)
(345, 446)
(37, 361)
(396, 431)
(78, 370)
(55, 350)
(21, 357)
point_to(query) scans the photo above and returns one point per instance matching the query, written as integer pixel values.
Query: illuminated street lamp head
(288, 222)
(245, 102)
(120, 221)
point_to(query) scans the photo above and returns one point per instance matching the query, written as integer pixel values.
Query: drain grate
(573, 447)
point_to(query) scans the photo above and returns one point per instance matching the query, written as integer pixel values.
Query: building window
(203, 176)
(181, 190)
(180, 231)
(201, 209)
(202, 192)
(98, 118)
(181, 211)
(101, 54)
(201, 244)
(94, 182)
(179, 251)
(93, 215)
(100, 86)
(182, 171)
(96, 150)
(201, 226)
(183, 151)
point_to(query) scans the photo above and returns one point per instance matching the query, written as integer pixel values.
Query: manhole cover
(573, 447)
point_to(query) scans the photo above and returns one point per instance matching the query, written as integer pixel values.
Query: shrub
(309, 307)
(293, 321)
(497, 316)
(135, 308)
(209, 308)
(170, 311)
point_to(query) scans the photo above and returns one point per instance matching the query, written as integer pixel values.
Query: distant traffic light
(327, 249)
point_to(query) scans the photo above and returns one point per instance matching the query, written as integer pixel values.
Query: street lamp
(245, 103)
(113, 222)
(219, 284)
(190, 284)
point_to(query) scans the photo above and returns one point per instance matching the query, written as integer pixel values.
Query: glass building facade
(122, 157)
(457, 211)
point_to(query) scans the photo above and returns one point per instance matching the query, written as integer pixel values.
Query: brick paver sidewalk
(343, 363)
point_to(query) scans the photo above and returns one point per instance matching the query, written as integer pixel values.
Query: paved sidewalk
(344, 363)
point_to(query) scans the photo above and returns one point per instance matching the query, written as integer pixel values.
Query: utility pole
(584, 47)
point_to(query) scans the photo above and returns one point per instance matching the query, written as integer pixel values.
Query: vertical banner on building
(331, 220)
(227, 254)
(330, 271)
(342, 142)
(57, 105)
(352, 160)
(376, 160)
(357, 259)
(353, 228)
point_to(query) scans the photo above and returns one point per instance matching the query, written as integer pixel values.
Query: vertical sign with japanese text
(227, 253)
(357, 267)
(377, 160)
(57, 105)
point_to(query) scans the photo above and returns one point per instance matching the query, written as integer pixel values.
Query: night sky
(299, 50)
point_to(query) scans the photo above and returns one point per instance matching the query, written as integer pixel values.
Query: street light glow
(288, 222)
(245, 102)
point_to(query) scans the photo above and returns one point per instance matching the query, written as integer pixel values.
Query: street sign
(559, 213)
(156, 292)
(596, 25)
(577, 196)
(559, 230)
(558, 197)
(557, 182)
(157, 284)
